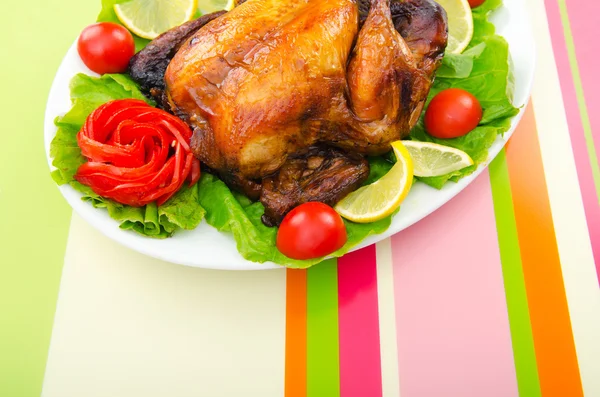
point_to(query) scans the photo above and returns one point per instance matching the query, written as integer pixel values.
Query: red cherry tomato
(311, 230)
(106, 47)
(476, 3)
(452, 113)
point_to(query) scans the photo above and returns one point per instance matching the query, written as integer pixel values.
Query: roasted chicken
(285, 98)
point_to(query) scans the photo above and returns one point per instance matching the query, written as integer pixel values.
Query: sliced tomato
(136, 154)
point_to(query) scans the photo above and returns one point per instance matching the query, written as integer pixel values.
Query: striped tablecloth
(495, 294)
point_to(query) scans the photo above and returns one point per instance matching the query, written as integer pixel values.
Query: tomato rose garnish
(136, 154)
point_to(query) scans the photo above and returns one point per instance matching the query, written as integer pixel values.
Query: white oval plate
(207, 248)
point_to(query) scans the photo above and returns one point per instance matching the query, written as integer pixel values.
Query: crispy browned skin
(422, 23)
(148, 66)
(424, 26)
(257, 82)
(323, 174)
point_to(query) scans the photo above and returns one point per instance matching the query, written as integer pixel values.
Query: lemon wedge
(460, 24)
(150, 18)
(381, 198)
(208, 6)
(431, 159)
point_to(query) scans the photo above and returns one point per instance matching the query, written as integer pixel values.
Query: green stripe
(514, 282)
(34, 217)
(323, 351)
(585, 120)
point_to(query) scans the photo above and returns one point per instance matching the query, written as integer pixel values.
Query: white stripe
(577, 262)
(387, 320)
(127, 325)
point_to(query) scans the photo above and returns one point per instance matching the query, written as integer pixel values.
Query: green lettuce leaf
(182, 211)
(489, 79)
(379, 166)
(484, 9)
(460, 66)
(232, 213)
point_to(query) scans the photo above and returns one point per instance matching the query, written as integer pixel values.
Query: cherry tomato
(476, 3)
(452, 113)
(311, 230)
(106, 47)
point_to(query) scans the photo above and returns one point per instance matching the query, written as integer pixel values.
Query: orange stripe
(295, 334)
(550, 322)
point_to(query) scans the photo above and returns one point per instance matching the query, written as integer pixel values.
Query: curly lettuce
(182, 211)
(233, 213)
(484, 70)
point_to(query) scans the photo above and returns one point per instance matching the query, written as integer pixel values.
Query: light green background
(34, 36)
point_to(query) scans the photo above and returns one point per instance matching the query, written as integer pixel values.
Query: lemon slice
(150, 18)
(208, 6)
(431, 159)
(460, 24)
(381, 198)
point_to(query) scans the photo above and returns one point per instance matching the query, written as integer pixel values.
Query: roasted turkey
(286, 98)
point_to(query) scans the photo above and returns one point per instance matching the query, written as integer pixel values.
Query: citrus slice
(381, 198)
(208, 6)
(431, 159)
(460, 24)
(150, 18)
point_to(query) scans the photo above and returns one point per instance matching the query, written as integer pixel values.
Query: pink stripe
(592, 85)
(452, 321)
(360, 361)
(585, 30)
